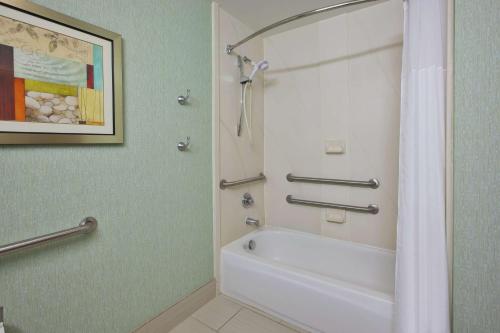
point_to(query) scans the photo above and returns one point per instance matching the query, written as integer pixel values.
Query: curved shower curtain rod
(231, 47)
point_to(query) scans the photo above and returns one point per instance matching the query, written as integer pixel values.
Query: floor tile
(247, 321)
(217, 312)
(191, 325)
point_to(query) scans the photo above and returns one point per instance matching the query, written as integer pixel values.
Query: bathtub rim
(272, 228)
(236, 248)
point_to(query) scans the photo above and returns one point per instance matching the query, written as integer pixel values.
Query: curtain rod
(231, 47)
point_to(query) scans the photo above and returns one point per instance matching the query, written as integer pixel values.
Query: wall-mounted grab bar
(372, 183)
(372, 209)
(225, 184)
(88, 225)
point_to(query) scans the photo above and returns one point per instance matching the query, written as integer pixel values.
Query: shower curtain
(421, 258)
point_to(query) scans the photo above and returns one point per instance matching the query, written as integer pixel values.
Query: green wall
(476, 294)
(154, 241)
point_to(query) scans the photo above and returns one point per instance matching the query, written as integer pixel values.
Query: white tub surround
(334, 85)
(317, 283)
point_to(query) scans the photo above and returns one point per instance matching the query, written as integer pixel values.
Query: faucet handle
(247, 200)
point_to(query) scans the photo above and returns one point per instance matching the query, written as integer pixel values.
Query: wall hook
(184, 99)
(183, 146)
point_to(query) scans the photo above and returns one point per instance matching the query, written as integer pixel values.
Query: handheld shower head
(259, 66)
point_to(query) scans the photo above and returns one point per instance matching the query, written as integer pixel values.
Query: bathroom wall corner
(215, 137)
(181, 310)
(449, 144)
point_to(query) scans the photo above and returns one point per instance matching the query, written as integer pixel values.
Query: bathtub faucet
(252, 221)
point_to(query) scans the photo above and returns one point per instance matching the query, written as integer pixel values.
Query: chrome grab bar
(372, 183)
(372, 209)
(87, 225)
(225, 184)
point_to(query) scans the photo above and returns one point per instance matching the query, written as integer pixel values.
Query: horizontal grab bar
(225, 184)
(88, 225)
(372, 183)
(371, 209)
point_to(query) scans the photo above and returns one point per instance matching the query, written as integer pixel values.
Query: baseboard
(180, 311)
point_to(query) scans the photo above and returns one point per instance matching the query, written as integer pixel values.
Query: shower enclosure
(322, 158)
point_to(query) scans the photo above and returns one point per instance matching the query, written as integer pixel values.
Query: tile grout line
(272, 318)
(248, 308)
(196, 319)
(231, 318)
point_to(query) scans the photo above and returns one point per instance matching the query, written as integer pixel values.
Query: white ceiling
(259, 13)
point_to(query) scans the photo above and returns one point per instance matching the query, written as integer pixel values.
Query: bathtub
(317, 283)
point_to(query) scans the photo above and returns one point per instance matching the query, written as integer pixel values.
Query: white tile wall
(338, 79)
(238, 157)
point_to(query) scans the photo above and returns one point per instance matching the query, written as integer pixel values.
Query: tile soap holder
(335, 147)
(336, 215)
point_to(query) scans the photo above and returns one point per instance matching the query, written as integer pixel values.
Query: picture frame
(60, 78)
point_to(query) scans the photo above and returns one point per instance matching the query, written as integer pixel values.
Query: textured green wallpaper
(154, 241)
(476, 294)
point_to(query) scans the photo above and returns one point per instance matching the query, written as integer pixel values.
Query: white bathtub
(314, 282)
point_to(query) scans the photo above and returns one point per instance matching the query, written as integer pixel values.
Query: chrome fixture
(87, 225)
(252, 222)
(243, 81)
(225, 184)
(372, 183)
(231, 47)
(262, 66)
(251, 245)
(247, 200)
(183, 146)
(372, 209)
(184, 99)
(242, 60)
(246, 84)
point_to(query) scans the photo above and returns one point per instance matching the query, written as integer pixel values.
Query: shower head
(259, 66)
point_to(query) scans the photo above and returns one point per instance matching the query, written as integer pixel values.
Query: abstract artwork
(59, 79)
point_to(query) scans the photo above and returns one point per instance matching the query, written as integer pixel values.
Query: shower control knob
(247, 200)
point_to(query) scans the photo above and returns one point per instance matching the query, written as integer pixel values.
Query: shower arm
(231, 47)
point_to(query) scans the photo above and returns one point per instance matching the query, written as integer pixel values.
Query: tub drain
(251, 245)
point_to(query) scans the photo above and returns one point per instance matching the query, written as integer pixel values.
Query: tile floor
(225, 315)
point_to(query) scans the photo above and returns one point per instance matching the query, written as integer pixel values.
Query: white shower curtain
(421, 264)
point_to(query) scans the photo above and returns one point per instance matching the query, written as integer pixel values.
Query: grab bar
(225, 184)
(372, 209)
(88, 225)
(372, 183)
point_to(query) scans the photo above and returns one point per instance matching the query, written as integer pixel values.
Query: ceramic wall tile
(239, 157)
(338, 79)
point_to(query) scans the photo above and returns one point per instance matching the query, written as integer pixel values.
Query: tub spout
(252, 221)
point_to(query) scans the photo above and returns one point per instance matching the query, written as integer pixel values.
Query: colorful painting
(54, 78)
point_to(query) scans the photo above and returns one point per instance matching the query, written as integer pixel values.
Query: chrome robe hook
(183, 146)
(184, 99)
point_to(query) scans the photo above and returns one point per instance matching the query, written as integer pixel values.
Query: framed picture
(60, 78)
